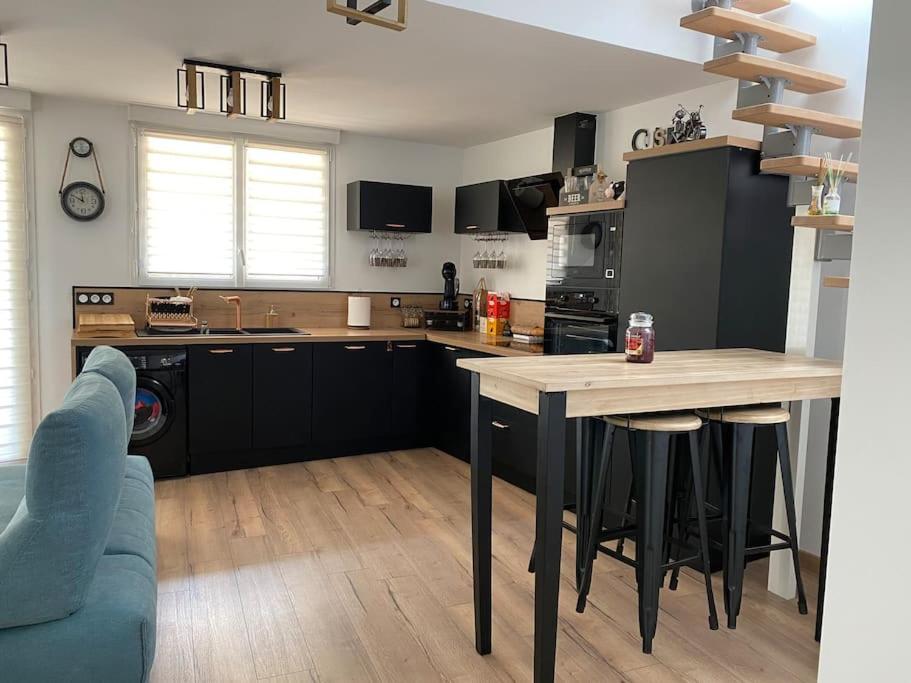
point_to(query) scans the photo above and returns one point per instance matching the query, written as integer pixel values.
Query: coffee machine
(450, 288)
(450, 315)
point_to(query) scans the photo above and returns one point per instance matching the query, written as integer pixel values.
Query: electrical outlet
(95, 298)
(395, 302)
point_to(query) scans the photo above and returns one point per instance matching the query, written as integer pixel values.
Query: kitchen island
(559, 387)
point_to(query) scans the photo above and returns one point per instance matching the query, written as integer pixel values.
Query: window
(15, 346)
(231, 211)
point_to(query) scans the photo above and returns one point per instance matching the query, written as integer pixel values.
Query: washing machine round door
(153, 412)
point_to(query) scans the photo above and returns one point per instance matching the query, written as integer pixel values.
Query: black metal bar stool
(736, 473)
(653, 437)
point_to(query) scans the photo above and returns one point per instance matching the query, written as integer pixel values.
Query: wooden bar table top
(556, 388)
(606, 384)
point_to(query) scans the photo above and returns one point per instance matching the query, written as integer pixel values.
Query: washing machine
(160, 419)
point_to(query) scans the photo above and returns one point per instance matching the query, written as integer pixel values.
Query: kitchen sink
(273, 330)
(226, 330)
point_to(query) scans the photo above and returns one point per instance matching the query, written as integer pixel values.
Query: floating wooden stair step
(781, 115)
(751, 67)
(836, 281)
(803, 165)
(840, 223)
(724, 23)
(760, 6)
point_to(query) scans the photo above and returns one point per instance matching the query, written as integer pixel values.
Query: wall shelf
(840, 223)
(612, 205)
(835, 281)
(692, 146)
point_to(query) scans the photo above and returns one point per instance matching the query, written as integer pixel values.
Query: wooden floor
(360, 569)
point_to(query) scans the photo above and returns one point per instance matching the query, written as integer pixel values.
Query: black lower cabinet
(352, 392)
(409, 360)
(282, 401)
(449, 389)
(220, 381)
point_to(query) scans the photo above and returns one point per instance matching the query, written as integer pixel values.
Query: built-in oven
(570, 334)
(585, 249)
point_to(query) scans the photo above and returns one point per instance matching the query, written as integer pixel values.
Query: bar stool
(735, 476)
(652, 436)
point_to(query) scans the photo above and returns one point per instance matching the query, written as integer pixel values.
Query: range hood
(517, 205)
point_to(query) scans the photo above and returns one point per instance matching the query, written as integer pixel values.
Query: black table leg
(587, 437)
(549, 529)
(827, 513)
(481, 502)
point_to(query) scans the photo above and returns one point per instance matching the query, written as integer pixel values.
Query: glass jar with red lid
(640, 338)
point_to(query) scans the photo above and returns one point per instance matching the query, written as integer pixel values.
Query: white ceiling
(453, 77)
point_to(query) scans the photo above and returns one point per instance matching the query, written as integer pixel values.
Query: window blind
(186, 207)
(15, 347)
(286, 216)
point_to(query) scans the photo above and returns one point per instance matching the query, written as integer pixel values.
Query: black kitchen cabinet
(282, 395)
(485, 207)
(390, 207)
(352, 390)
(220, 381)
(407, 422)
(451, 400)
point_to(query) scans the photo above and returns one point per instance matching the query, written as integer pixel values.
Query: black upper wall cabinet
(485, 207)
(389, 207)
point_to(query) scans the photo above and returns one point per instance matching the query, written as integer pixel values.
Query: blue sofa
(78, 586)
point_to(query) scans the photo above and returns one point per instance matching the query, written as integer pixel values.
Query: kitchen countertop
(498, 346)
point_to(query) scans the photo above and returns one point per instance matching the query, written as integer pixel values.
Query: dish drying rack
(171, 311)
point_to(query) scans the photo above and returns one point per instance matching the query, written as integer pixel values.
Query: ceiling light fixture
(232, 100)
(4, 77)
(370, 14)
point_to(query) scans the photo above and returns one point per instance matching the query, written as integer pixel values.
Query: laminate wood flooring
(359, 569)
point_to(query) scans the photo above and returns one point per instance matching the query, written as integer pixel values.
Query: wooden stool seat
(656, 422)
(754, 415)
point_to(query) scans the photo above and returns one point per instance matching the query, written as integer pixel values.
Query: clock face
(82, 201)
(81, 147)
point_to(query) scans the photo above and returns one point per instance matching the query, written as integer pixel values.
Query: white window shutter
(15, 348)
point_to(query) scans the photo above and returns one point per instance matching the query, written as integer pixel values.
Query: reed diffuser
(835, 175)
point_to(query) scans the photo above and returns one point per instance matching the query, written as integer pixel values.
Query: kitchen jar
(640, 338)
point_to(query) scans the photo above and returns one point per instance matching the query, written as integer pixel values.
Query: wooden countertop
(605, 384)
(499, 346)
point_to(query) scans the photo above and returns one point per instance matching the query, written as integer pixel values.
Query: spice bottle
(640, 338)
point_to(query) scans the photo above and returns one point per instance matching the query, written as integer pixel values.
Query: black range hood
(518, 205)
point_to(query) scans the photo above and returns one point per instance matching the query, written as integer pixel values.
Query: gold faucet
(235, 300)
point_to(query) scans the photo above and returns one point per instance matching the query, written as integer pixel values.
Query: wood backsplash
(295, 308)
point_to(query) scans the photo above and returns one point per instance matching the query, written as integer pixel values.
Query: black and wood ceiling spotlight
(232, 99)
(4, 77)
(371, 13)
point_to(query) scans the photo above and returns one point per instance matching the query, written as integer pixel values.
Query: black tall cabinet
(707, 250)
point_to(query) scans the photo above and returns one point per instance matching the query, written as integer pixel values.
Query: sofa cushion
(12, 490)
(112, 638)
(133, 531)
(73, 479)
(113, 364)
(139, 469)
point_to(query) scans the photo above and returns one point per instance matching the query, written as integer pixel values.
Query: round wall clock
(82, 201)
(81, 147)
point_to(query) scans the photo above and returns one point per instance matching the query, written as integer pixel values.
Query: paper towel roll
(359, 312)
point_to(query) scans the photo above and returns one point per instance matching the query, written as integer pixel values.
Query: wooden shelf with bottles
(594, 207)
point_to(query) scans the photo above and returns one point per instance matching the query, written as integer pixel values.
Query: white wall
(99, 253)
(866, 616)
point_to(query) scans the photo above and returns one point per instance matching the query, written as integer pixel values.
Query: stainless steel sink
(274, 330)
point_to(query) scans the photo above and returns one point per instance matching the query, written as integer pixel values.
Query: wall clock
(81, 200)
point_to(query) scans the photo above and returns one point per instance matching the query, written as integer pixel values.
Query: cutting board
(116, 325)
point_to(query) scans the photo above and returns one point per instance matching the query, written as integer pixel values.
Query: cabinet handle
(471, 227)
(450, 348)
(283, 349)
(355, 348)
(221, 351)
(500, 425)
(406, 346)
(395, 225)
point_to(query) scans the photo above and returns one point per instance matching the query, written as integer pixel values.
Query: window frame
(239, 142)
